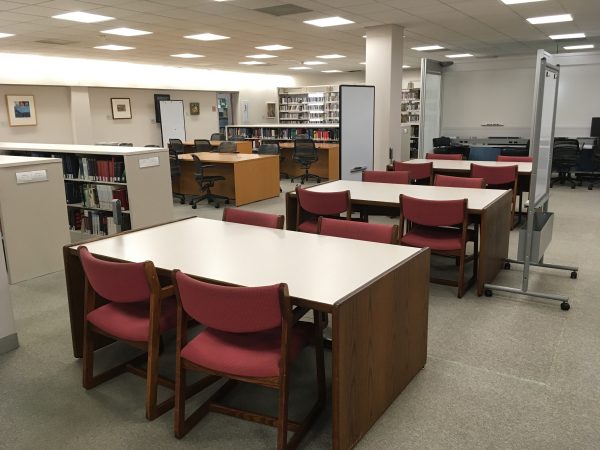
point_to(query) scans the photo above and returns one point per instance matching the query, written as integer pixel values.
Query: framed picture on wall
(194, 109)
(157, 99)
(21, 110)
(121, 108)
(271, 110)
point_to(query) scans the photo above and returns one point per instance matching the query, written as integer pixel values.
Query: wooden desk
(327, 166)
(241, 146)
(248, 178)
(490, 207)
(379, 309)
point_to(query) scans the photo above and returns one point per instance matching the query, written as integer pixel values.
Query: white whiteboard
(357, 130)
(544, 157)
(172, 120)
(431, 107)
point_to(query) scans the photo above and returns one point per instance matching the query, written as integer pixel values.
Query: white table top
(13, 161)
(465, 165)
(84, 149)
(478, 199)
(321, 269)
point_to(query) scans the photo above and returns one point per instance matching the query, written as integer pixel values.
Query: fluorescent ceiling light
(251, 63)
(299, 68)
(550, 19)
(206, 37)
(261, 56)
(404, 66)
(314, 63)
(427, 48)
(332, 56)
(331, 71)
(3, 35)
(364, 36)
(78, 16)
(114, 47)
(568, 36)
(273, 47)
(328, 22)
(187, 55)
(126, 32)
(364, 63)
(459, 55)
(578, 47)
(517, 2)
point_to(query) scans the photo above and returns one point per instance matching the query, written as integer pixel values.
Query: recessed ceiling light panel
(261, 56)
(332, 56)
(428, 48)
(404, 66)
(567, 36)
(251, 63)
(114, 47)
(300, 68)
(78, 16)
(126, 32)
(314, 63)
(206, 37)
(517, 2)
(459, 55)
(5, 35)
(331, 71)
(273, 47)
(550, 19)
(187, 55)
(328, 22)
(579, 47)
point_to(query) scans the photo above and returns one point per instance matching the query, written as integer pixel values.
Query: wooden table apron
(379, 340)
(494, 232)
(248, 178)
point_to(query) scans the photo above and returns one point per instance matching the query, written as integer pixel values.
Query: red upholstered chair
(253, 218)
(440, 225)
(383, 176)
(363, 231)
(252, 335)
(419, 173)
(502, 158)
(463, 182)
(138, 312)
(447, 156)
(313, 204)
(499, 177)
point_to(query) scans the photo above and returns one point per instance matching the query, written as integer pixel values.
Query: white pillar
(384, 71)
(81, 116)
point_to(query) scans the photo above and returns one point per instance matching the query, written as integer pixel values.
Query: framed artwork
(157, 100)
(271, 110)
(21, 110)
(195, 109)
(121, 108)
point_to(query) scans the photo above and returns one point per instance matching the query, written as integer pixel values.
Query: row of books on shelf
(96, 195)
(95, 222)
(110, 169)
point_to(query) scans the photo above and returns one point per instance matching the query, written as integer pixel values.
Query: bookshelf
(257, 133)
(410, 114)
(309, 105)
(95, 175)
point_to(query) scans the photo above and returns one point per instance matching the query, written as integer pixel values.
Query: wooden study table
(377, 295)
(327, 166)
(490, 207)
(241, 146)
(248, 178)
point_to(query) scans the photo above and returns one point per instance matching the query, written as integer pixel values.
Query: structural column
(81, 116)
(384, 71)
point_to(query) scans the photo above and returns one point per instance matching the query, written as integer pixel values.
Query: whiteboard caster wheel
(506, 266)
(488, 292)
(193, 206)
(565, 306)
(574, 275)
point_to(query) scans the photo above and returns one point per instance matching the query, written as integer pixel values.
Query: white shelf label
(33, 176)
(149, 162)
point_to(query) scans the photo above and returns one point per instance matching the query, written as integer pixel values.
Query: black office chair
(565, 154)
(217, 137)
(444, 146)
(271, 149)
(227, 147)
(125, 144)
(205, 182)
(305, 154)
(510, 151)
(152, 145)
(175, 171)
(238, 137)
(177, 145)
(202, 145)
(595, 178)
(301, 136)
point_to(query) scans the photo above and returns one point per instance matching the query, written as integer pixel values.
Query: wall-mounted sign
(32, 176)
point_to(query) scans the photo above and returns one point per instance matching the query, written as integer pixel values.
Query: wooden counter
(327, 167)
(242, 146)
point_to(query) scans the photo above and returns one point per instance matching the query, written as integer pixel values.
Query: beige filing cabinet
(33, 215)
(8, 332)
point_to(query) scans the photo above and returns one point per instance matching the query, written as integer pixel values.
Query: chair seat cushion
(436, 238)
(308, 226)
(245, 354)
(131, 321)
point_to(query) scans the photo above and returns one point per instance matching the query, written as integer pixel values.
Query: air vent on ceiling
(283, 10)
(56, 41)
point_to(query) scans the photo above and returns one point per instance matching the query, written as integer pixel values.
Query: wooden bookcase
(143, 180)
(411, 115)
(328, 133)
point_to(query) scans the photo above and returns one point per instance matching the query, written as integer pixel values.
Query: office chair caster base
(506, 266)
(194, 206)
(488, 292)
(574, 275)
(565, 306)
(590, 187)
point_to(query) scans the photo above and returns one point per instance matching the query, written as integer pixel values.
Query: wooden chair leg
(152, 380)
(180, 400)
(320, 358)
(461, 275)
(88, 357)
(282, 421)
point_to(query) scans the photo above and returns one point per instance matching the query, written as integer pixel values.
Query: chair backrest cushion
(231, 309)
(323, 203)
(495, 175)
(116, 282)
(463, 182)
(217, 137)
(202, 145)
(505, 158)
(304, 148)
(268, 149)
(364, 231)
(417, 171)
(384, 176)
(433, 213)
(448, 156)
(227, 147)
(253, 218)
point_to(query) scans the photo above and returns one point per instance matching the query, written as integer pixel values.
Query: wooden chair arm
(166, 292)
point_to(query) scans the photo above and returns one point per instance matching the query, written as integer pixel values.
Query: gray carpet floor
(504, 372)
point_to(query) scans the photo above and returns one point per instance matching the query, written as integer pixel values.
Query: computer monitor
(595, 131)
